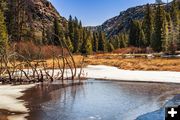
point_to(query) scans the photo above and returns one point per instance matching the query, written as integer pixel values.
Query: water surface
(97, 100)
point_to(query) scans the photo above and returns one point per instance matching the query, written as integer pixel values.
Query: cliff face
(43, 12)
(40, 16)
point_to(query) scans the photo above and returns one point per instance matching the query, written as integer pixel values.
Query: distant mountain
(121, 23)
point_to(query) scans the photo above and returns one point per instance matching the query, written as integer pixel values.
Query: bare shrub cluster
(30, 50)
(26, 63)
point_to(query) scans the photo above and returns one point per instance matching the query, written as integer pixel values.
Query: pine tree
(80, 36)
(75, 33)
(95, 42)
(132, 36)
(80, 24)
(71, 28)
(3, 34)
(178, 4)
(142, 42)
(171, 36)
(158, 29)
(110, 46)
(115, 41)
(76, 23)
(17, 18)
(123, 39)
(148, 25)
(175, 16)
(86, 47)
(69, 44)
(83, 49)
(58, 31)
(125, 42)
(166, 33)
(136, 35)
(76, 40)
(102, 42)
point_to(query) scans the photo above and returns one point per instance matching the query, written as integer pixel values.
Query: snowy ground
(113, 73)
(9, 94)
(9, 100)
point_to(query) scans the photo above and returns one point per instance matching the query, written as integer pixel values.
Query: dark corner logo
(172, 113)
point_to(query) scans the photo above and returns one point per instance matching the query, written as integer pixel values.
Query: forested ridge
(159, 30)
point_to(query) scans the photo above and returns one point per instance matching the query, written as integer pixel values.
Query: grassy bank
(127, 63)
(139, 63)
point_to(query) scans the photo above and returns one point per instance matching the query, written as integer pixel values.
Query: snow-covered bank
(113, 73)
(9, 99)
(9, 94)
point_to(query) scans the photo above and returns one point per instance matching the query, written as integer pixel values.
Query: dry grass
(139, 63)
(130, 50)
(117, 59)
(78, 60)
(135, 63)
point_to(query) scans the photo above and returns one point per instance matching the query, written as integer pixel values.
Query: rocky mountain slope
(44, 11)
(121, 22)
(39, 16)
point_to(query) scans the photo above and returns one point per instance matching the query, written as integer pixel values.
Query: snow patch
(113, 73)
(17, 117)
(9, 99)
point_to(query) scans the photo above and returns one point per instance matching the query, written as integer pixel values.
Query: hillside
(44, 13)
(121, 22)
(38, 16)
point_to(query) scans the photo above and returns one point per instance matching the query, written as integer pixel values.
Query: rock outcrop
(40, 15)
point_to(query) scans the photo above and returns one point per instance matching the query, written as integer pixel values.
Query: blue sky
(94, 12)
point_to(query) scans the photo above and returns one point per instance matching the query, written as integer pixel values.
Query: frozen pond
(97, 100)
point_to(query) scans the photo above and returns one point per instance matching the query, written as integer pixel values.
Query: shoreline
(11, 106)
(11, 115)
(132, 81)
(11, 96)
(160, 113)
(7, 115)
(104, 72)
(39, 102)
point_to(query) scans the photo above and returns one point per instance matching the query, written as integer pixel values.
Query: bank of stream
(97, 100)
